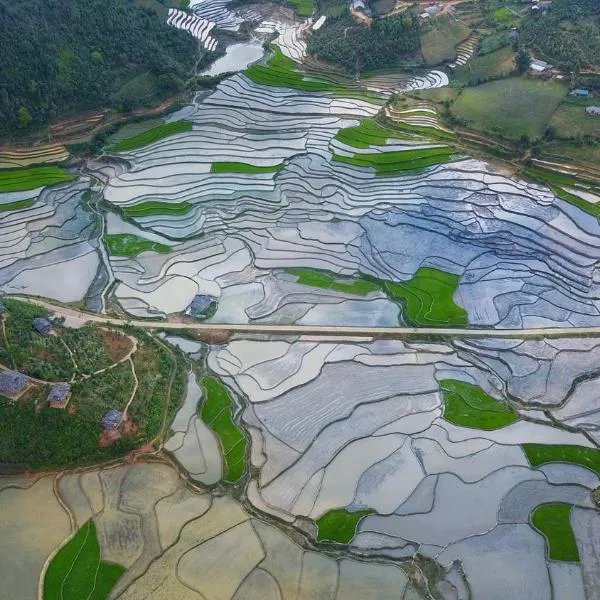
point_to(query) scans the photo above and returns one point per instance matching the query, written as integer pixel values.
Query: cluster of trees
(568, 35)
(58, 56)
(356, 47)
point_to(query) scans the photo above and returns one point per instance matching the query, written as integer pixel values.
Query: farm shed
(593, 110)
(539, 66)
(13, 383)
(581, 93)
(59, 395)
(42, 325)
(112, 419)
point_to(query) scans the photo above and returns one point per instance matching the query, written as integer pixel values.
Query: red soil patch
(116, 344)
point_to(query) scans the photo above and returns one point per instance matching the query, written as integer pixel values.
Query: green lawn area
(324, 279)
(428, 298)
(152, 207)
(77, 570)
(339, 525)
(217, 413)
(18, 205)
(510, 107)
(152, 135)
(281, 72)
(30, 178)
(468, 405)
(392, 163)
(541, 454)
(438, 43)
(127, 244)
(552, 520)
(499, 63)
(241, 167)
(571, 121)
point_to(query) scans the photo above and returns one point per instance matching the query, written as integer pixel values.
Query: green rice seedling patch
(77, 570)
(542, 454)
(152, 135)
(18, 205)
(217, 413)
(553, 521)
(145, 209)
(468, 405)
(368, 133)
(127, 244)
(241, 167)
(30, 178)
(339, 525)
(324, 279)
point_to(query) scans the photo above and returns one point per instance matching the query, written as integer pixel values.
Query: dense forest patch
(67, 55)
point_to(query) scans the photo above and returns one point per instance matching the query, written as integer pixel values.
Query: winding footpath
(77, 318)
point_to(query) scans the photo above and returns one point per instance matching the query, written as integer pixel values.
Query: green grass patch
(152, 207)
(468, 405)
(339, 525)
(502, 15)
(571, 121)
(553, 521)
(217, 413)
(510, 108)
(280, 71)
(77, 570)
(127, 244)
(438, 43)
(324, 279)
(542, 454)
(391, 163)
(497, 64)
(303, 8)
(30, 178)
(152, 135)
(241, 167)
(368, 133)
(18, 205)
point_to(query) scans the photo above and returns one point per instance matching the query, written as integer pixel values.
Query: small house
(200, 305)
(433, 10)
(111, 420)
(581, 93)
(59, 395)
(13, 383)
(539, 66)
(42, 325)
(593, 110)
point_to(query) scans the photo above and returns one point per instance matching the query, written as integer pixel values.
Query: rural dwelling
(539, 66)
(13, 383)
(59, 395)
(581, 93)
(593, 110)
(200, 304)
(42, 325)
(111, 420)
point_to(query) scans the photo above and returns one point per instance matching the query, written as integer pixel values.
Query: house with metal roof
(13, 383)
(111, 420)
(42, 325)
(59, 395)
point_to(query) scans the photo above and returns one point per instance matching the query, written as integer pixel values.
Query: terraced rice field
(151, 135)
(130, 245)
(31, 178)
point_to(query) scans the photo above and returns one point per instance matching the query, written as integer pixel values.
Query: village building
(59, 395)
(111, 420)
(13, 383)
(42, 325)
(200, 304)
(593, 110)
(581, 93)
(539, 66)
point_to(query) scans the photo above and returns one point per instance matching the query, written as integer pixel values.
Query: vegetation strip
(217, 413)
(541, 454)
(339, 525)
(553, 521)
(467, 405)
(146, 209)
(30, 178)
(152, 135)
(18, 205)
(77, 571)
(127, 244)
(241, 167)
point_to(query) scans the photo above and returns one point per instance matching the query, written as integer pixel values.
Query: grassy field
(339, 525)
(145, 209)
(240, 167)
(217, 413)
(281, 72)
(77, 571)
(324, 279)
(468, 405)
(541, 454)
(30, 178)
(572, 152)
(303, 8)
(428, 299)
(571, 121)
(392, 163)
(18, 205)
(438, 43)
(499, 63)
(552, 520)
(510, 107)
(152, 135)
(127, 244)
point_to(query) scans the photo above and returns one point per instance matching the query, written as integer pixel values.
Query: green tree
(523, 60)
(24, 119)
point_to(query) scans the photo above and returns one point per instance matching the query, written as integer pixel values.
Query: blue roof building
(42, 325)
(581, 93)
(13, 383)
(112, 419)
